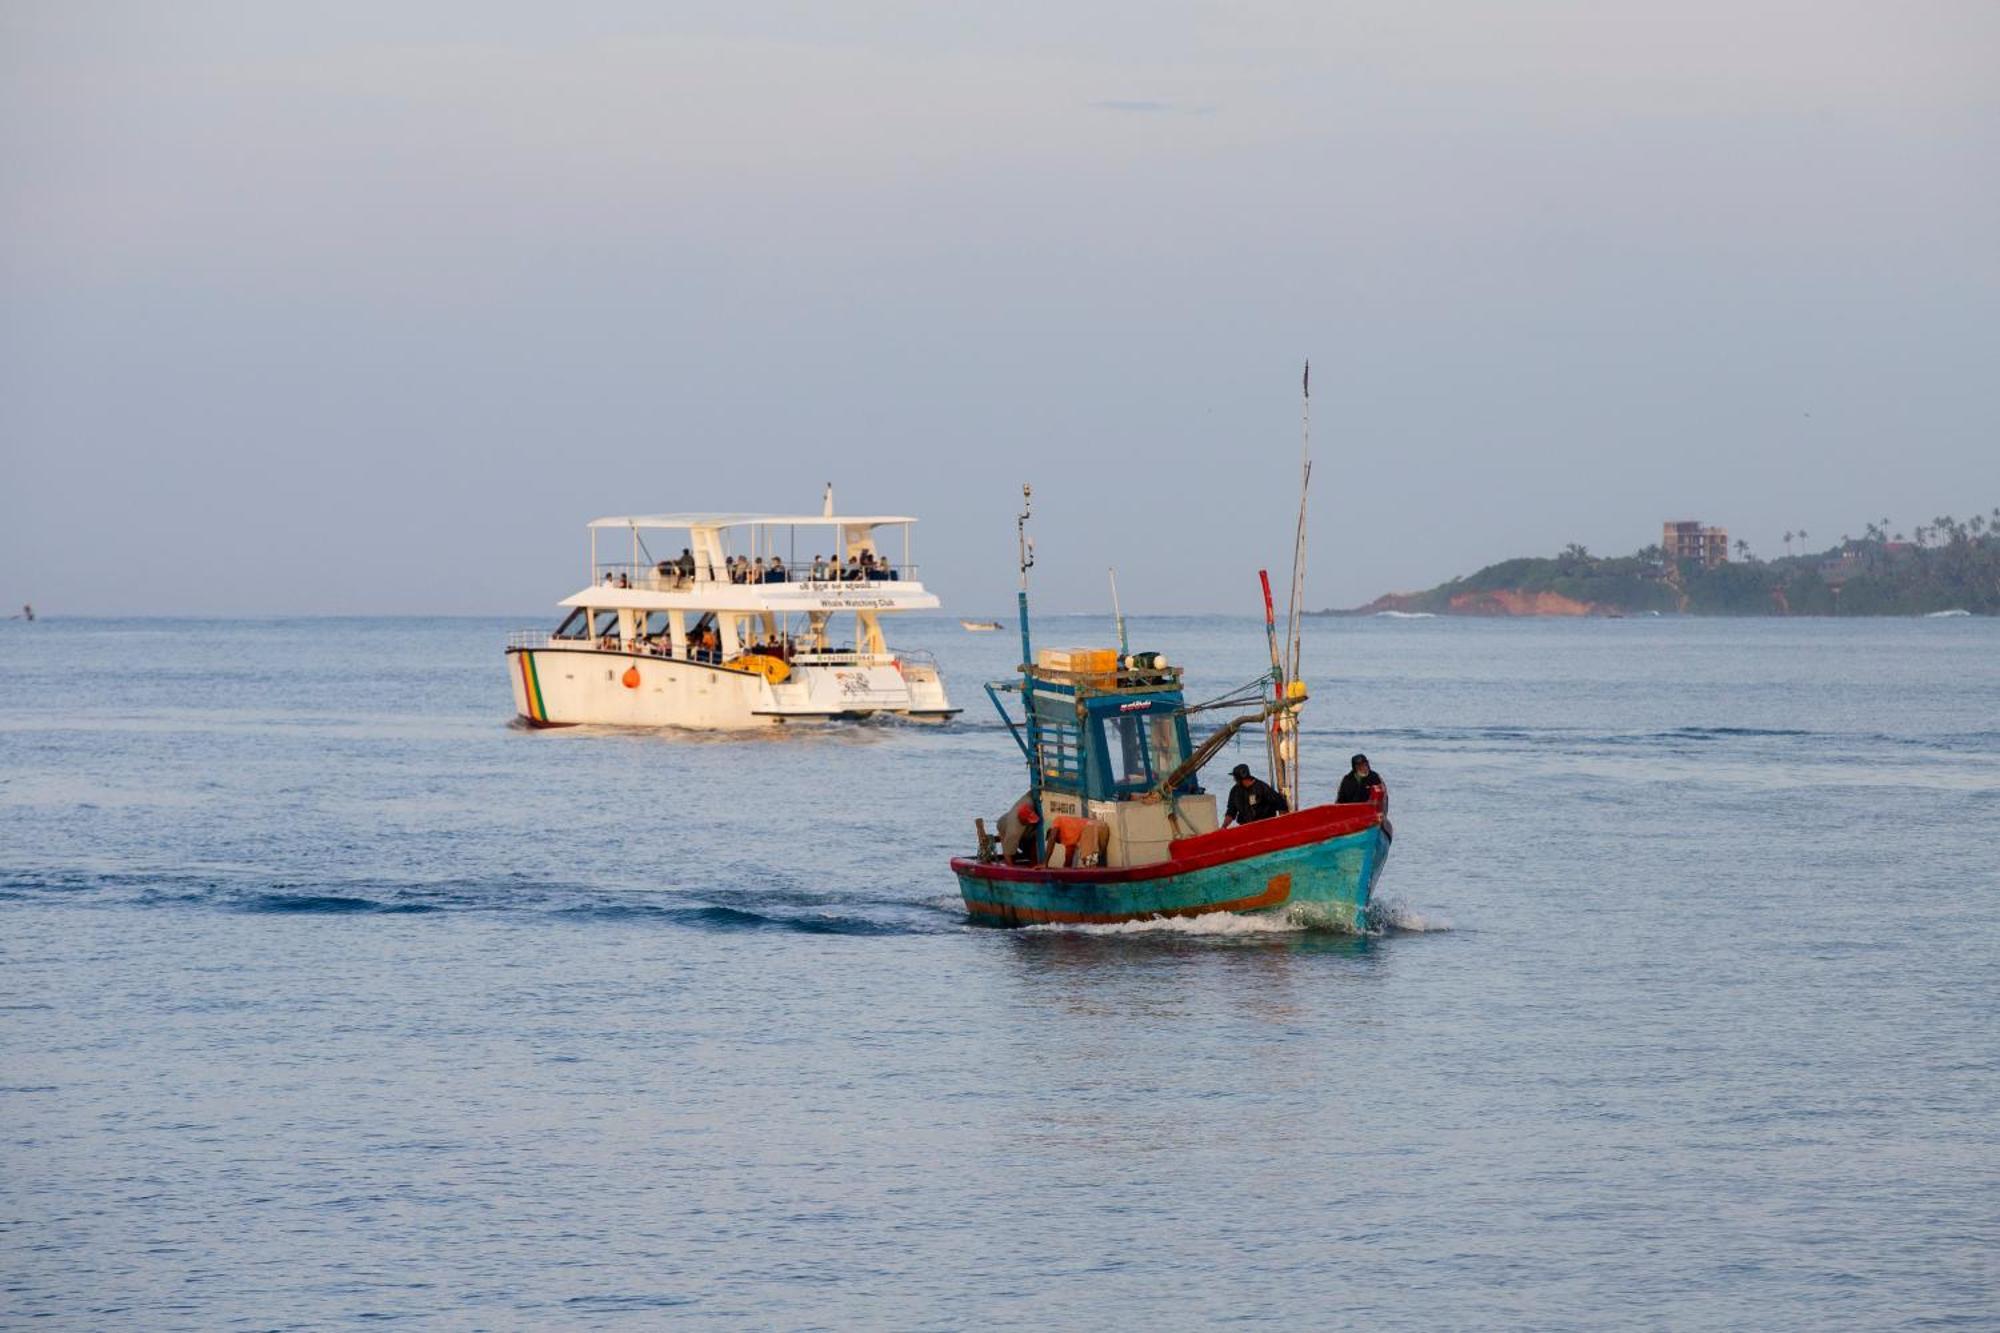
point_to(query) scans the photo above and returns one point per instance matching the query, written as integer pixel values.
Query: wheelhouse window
(1142, 749)
(572, 627)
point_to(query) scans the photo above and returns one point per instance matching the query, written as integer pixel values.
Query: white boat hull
(566, 687)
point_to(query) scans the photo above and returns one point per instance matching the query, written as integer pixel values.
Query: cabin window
(1142, 748)
(571, 628)
(607, 624)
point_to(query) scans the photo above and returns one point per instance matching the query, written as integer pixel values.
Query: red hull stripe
(1321, 823)
(1275, 894)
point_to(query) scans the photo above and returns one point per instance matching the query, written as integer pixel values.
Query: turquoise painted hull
(1318, 866)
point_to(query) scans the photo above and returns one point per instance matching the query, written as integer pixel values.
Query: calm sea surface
(326, 995)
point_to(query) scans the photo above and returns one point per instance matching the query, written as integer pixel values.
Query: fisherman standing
(1252, 799)
(1361, 783)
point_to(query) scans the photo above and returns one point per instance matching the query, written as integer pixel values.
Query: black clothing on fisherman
(1251, 799)
(1360, 784)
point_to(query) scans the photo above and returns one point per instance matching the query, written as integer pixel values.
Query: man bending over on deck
(1360, 784)
(1017, 833)
(1252, 799)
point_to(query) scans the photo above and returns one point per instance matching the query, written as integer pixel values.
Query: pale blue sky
(368, 307)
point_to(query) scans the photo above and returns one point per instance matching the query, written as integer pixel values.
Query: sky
(367, 308)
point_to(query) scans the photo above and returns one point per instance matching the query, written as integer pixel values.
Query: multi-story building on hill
(1687, 539)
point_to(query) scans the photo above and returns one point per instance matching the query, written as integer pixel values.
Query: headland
(1947, 566)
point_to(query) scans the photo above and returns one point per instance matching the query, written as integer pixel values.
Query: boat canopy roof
(748, 520)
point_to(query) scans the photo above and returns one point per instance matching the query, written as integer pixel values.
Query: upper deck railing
(656, 646)
(667, 576)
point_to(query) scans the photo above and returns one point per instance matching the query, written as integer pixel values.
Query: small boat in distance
(735, 631)
(980, 626)
(1952, 614)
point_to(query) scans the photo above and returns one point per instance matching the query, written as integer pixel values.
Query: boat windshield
(1142, 749)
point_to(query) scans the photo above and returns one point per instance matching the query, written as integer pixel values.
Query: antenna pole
(1027, 552)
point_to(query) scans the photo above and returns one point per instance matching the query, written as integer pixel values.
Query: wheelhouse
(1103, 737)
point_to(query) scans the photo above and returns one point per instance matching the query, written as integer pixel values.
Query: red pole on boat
(1277, 679)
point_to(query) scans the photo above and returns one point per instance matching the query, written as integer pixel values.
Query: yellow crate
(1080, 661)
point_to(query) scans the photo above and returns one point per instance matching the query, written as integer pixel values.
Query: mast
(1288, 720)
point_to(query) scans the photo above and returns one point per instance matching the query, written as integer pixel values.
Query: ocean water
(329, 996)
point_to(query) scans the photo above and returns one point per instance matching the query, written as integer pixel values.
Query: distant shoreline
(1956, 569)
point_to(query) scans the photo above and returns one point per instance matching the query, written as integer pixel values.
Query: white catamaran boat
(734, 629)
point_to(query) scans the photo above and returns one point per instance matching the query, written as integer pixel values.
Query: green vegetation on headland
(1948, 566)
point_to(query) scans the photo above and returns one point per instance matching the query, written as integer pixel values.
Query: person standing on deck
(1360, 784)
(1252, 799)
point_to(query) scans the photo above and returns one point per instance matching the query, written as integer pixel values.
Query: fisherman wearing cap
(1017, 833)
(1252, 799)
(1360, 784)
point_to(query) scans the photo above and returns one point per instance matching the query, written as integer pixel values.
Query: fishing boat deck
(1311, 825)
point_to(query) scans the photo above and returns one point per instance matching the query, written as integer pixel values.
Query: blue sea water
(328, 996)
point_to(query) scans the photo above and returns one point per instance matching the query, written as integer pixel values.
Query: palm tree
(1742, 549)
(1802, 535)
(1788, 542)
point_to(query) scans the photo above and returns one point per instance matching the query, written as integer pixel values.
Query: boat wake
(1384, 918)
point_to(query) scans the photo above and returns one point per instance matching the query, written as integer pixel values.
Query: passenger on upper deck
(1360, 784)
(775, 571)
(819, 567)
(1252, 799)
(686, 563)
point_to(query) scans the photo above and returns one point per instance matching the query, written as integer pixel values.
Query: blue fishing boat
(1115, 825)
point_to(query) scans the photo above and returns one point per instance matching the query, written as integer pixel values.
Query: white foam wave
(1388, 915)
(1406, 615)
(1209, 924)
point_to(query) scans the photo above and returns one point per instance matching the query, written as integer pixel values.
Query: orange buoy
(631, 678)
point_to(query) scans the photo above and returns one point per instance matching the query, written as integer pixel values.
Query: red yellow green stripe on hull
(1319, 864)
(531, 689)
